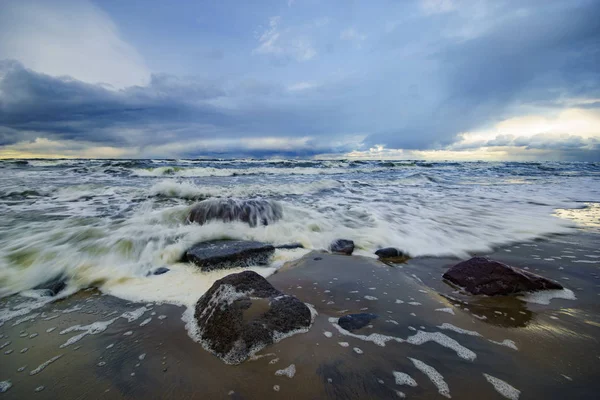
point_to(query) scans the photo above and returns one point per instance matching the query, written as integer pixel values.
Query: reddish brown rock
(480, 275)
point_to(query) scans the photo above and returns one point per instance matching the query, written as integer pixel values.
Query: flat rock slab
(222, 254)
(480, 275)
(242, 313)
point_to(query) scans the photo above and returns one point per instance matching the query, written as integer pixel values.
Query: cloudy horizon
(423, 79)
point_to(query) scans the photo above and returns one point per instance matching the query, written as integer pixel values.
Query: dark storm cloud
(168, 109)
(552, 51)
(399, 77)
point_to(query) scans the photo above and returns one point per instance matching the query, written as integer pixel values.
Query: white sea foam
(545, 296)
(5, 385)
(503, 388)
(76, 307)
(435, 377)
(377, 338)
(43, 365)
(131, 316)
(423, 337)
(91, 329)
(25, 319)
(289, 371)
(507, 343)
(456, 329)
(446, 310)
(404, 379)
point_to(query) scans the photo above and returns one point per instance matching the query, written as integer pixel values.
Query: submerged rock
(353, 322)
(480, 275)
(53, 286)
(242, 313)
(290, 246)
(253, 212)
(342, 246)
(220, 254)
(392, 254)
(161, 270)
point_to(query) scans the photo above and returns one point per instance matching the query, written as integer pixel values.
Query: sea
(109, 224)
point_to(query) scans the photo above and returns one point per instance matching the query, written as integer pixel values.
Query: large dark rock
(342, 246)
(253, 212)
(220, 254)
(480, 275)
(353, 322)
(391, 254)
(242, 313)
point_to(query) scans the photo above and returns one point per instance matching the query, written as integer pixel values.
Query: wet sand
(557, 355)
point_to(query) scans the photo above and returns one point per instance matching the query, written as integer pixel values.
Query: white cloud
(581, 123)
(284, 42)
(300, 86)
(47, 148)
(73, 38)
(352, 34)
(438, 6)
(268, 39)
(569, 134)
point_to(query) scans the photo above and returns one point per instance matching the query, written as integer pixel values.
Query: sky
(380, 79)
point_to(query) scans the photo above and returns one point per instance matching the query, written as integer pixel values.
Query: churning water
(109, 223)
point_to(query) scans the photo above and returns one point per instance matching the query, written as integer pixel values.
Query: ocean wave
(190, 191)
(22, 194)
(110, 231)
(211, 171)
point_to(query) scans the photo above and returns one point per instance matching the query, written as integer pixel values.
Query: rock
(253, 212)
(161, 270)
(482, 276)
(290, 246)
(220, 254)
(242, 313)
(353, 322)
(342, 246)
(391, 253)
(53, 286)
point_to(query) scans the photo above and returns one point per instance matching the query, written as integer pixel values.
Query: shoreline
(553, 357)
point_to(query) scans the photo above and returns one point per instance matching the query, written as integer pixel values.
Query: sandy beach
(542, 350)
